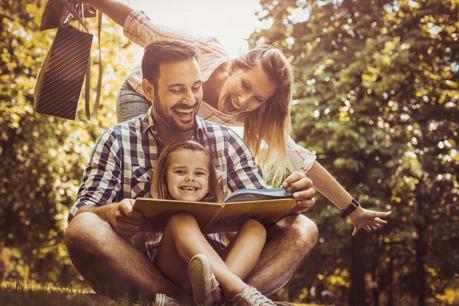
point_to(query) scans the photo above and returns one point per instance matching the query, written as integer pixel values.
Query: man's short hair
(160, 52)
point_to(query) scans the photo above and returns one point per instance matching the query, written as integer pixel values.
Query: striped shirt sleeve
(102, 178)
(243, 171)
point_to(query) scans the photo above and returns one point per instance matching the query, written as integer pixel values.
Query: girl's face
(245, 91)
(188, 175)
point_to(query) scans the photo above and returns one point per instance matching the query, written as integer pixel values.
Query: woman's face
(188, 175)
(245, 91)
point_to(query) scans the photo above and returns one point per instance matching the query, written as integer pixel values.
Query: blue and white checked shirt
(124, 159)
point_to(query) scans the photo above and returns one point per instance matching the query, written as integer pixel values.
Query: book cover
(264, 205)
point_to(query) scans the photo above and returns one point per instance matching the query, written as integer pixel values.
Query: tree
(376, 97)
(42, 157)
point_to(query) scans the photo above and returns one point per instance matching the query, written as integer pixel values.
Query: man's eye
(175, 90)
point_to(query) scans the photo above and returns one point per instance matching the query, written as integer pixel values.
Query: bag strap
(87, 94)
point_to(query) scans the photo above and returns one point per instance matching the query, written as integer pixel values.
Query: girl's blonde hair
(266, 128)
(159, 181)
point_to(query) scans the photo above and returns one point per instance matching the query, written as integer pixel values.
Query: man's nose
(189, 97)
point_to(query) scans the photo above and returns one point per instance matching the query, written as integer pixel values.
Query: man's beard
(169, 119)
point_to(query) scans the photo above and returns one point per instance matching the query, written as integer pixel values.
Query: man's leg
(110, 264)
(290, 241)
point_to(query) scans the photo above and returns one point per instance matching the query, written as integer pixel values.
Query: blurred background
(376, 97)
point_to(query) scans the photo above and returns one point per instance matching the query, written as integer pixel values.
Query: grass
(25, 294)
(33, 294)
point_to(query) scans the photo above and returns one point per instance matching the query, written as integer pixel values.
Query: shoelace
(255, 296)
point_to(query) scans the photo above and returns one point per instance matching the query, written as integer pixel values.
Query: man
(102, 219)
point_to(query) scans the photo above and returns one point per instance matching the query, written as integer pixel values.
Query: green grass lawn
(25, 294)
(18, 294)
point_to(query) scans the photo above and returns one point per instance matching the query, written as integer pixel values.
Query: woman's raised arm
(116, 10)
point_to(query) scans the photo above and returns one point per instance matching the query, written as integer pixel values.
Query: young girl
(185, 171)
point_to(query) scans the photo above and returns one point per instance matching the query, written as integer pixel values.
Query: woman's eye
(259, 99)
(245, 84)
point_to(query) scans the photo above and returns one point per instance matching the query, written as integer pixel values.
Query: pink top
(139, 29)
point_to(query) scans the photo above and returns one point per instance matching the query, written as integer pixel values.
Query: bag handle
(99, 79)
(87, 95)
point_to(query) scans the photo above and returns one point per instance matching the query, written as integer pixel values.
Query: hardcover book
(264, 205)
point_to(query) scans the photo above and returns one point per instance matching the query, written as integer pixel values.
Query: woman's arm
(329, 187)
(116, 10)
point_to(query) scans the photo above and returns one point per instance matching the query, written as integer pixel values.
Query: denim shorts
(130, 104)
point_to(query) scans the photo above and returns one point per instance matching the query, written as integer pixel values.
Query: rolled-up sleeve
(243, 171)
(102, 177)
(139, 29)
(300, 158)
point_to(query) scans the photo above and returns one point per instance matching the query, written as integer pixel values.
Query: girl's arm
(329, 187)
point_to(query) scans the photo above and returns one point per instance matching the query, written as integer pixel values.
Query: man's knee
(302, 231)
(86, 231)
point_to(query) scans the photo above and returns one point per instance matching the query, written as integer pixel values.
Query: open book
(265, 205)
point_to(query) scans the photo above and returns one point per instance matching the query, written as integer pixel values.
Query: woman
(253, 91)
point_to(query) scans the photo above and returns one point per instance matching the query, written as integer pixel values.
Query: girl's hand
(367, 219)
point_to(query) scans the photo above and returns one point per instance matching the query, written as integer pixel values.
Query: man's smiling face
(178, 95)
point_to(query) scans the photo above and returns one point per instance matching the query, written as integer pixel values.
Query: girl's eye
(201, 173)
(197, 86)
(179, 172)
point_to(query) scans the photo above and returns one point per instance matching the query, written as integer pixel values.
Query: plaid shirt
(124, 158)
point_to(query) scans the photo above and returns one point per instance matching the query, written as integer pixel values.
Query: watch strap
(350, 208)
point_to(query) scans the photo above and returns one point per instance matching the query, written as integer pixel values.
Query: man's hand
(301, 186)
(368, 219)
(124, 220)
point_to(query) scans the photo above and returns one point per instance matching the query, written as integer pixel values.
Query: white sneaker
(250, 296)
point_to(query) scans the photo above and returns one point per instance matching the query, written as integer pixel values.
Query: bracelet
(350, 208)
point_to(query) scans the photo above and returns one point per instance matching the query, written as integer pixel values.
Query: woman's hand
(367, 219)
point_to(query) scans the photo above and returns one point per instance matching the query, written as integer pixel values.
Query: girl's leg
(245, 249)
(181, 241)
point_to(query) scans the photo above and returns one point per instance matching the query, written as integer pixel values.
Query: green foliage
(42, 157)
(376, 97)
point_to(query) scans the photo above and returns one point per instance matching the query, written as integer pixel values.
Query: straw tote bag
(67, 64)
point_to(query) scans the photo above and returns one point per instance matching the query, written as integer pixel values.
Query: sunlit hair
(164, 51)
(266, 128)
(159, 182)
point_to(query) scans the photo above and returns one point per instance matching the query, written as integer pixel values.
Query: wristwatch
(350, 208)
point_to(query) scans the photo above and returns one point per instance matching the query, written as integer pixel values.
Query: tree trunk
(357, 273)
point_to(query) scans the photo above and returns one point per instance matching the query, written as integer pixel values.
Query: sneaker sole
(200, 273)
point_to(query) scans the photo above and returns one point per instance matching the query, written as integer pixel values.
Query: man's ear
(148, 90)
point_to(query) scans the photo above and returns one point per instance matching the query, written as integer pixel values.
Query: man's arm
(102, 185)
